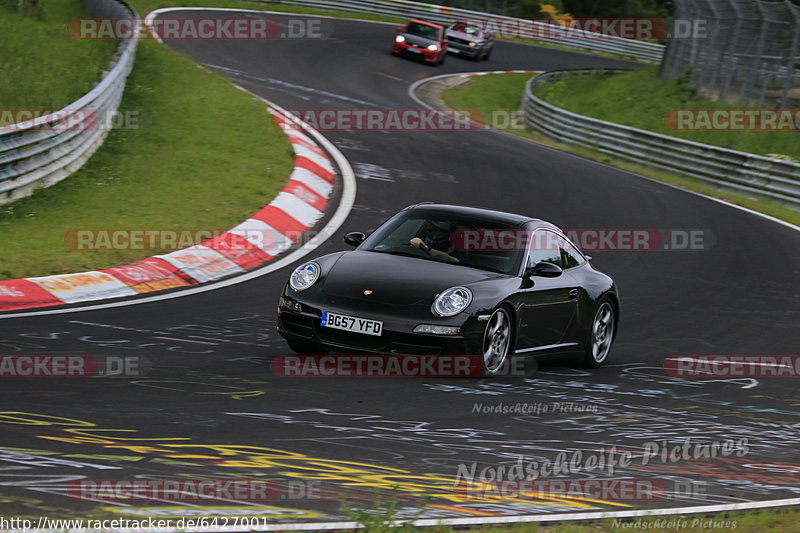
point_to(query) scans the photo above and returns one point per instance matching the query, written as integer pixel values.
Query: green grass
(205, 157)
(502, 94)
(41, 66)
(640, 99)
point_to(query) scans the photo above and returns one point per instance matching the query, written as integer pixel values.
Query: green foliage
(619, 8)
(380, 517)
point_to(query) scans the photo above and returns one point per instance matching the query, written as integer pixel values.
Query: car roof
(427, 23)
(510, 219)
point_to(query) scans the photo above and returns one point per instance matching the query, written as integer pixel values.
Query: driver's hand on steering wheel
(416, 242)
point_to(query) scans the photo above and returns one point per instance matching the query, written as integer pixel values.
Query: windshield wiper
(398, 252)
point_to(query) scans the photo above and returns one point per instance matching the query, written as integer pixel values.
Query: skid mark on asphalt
(298, 91)
(347, 143)
(371, 171)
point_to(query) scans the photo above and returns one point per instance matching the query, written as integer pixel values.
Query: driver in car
(437, 242)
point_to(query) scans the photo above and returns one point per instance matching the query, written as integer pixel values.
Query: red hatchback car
(421, 39)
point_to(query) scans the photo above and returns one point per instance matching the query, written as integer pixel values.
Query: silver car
(468, 39)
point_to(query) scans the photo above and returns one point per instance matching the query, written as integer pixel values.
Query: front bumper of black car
(397, 336)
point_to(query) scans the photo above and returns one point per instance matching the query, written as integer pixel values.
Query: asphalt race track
(210, 407)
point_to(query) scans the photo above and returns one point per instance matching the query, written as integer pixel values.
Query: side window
(570, 256)
(544, 248)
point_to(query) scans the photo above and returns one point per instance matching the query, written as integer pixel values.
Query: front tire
(307, 348)
(601, 334)
(497, 342)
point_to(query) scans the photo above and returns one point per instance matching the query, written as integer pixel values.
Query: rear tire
(307, 348)
(601, 334)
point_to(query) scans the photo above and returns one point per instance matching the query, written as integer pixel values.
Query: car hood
(396, 280)
(463, 35)
(416, 40)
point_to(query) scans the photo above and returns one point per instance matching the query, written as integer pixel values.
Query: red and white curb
(266, 234)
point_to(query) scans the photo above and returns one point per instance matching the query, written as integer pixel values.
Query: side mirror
(545, 270)
(400, 28)
(354, 238)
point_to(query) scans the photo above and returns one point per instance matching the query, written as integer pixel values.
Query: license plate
(415, 50)
(454, 50)
(351, 323)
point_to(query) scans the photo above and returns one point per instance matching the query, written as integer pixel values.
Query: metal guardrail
(566, 37)
(749, 174)
(45, 150)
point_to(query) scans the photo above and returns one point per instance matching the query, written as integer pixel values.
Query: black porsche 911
(443, 280)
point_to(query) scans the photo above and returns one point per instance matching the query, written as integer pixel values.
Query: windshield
(423, 30)
(436, 236)
(466, 28)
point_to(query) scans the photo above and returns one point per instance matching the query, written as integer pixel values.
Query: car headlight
(452, 301)
(304, 276)
(399, 39)
(433, 47)
(473, 44)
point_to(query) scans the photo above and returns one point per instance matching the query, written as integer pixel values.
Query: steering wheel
(423, 246)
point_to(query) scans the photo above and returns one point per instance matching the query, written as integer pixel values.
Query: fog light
(437, 330)
(291, 305)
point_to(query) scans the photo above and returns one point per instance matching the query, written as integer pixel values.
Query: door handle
(573, 294)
